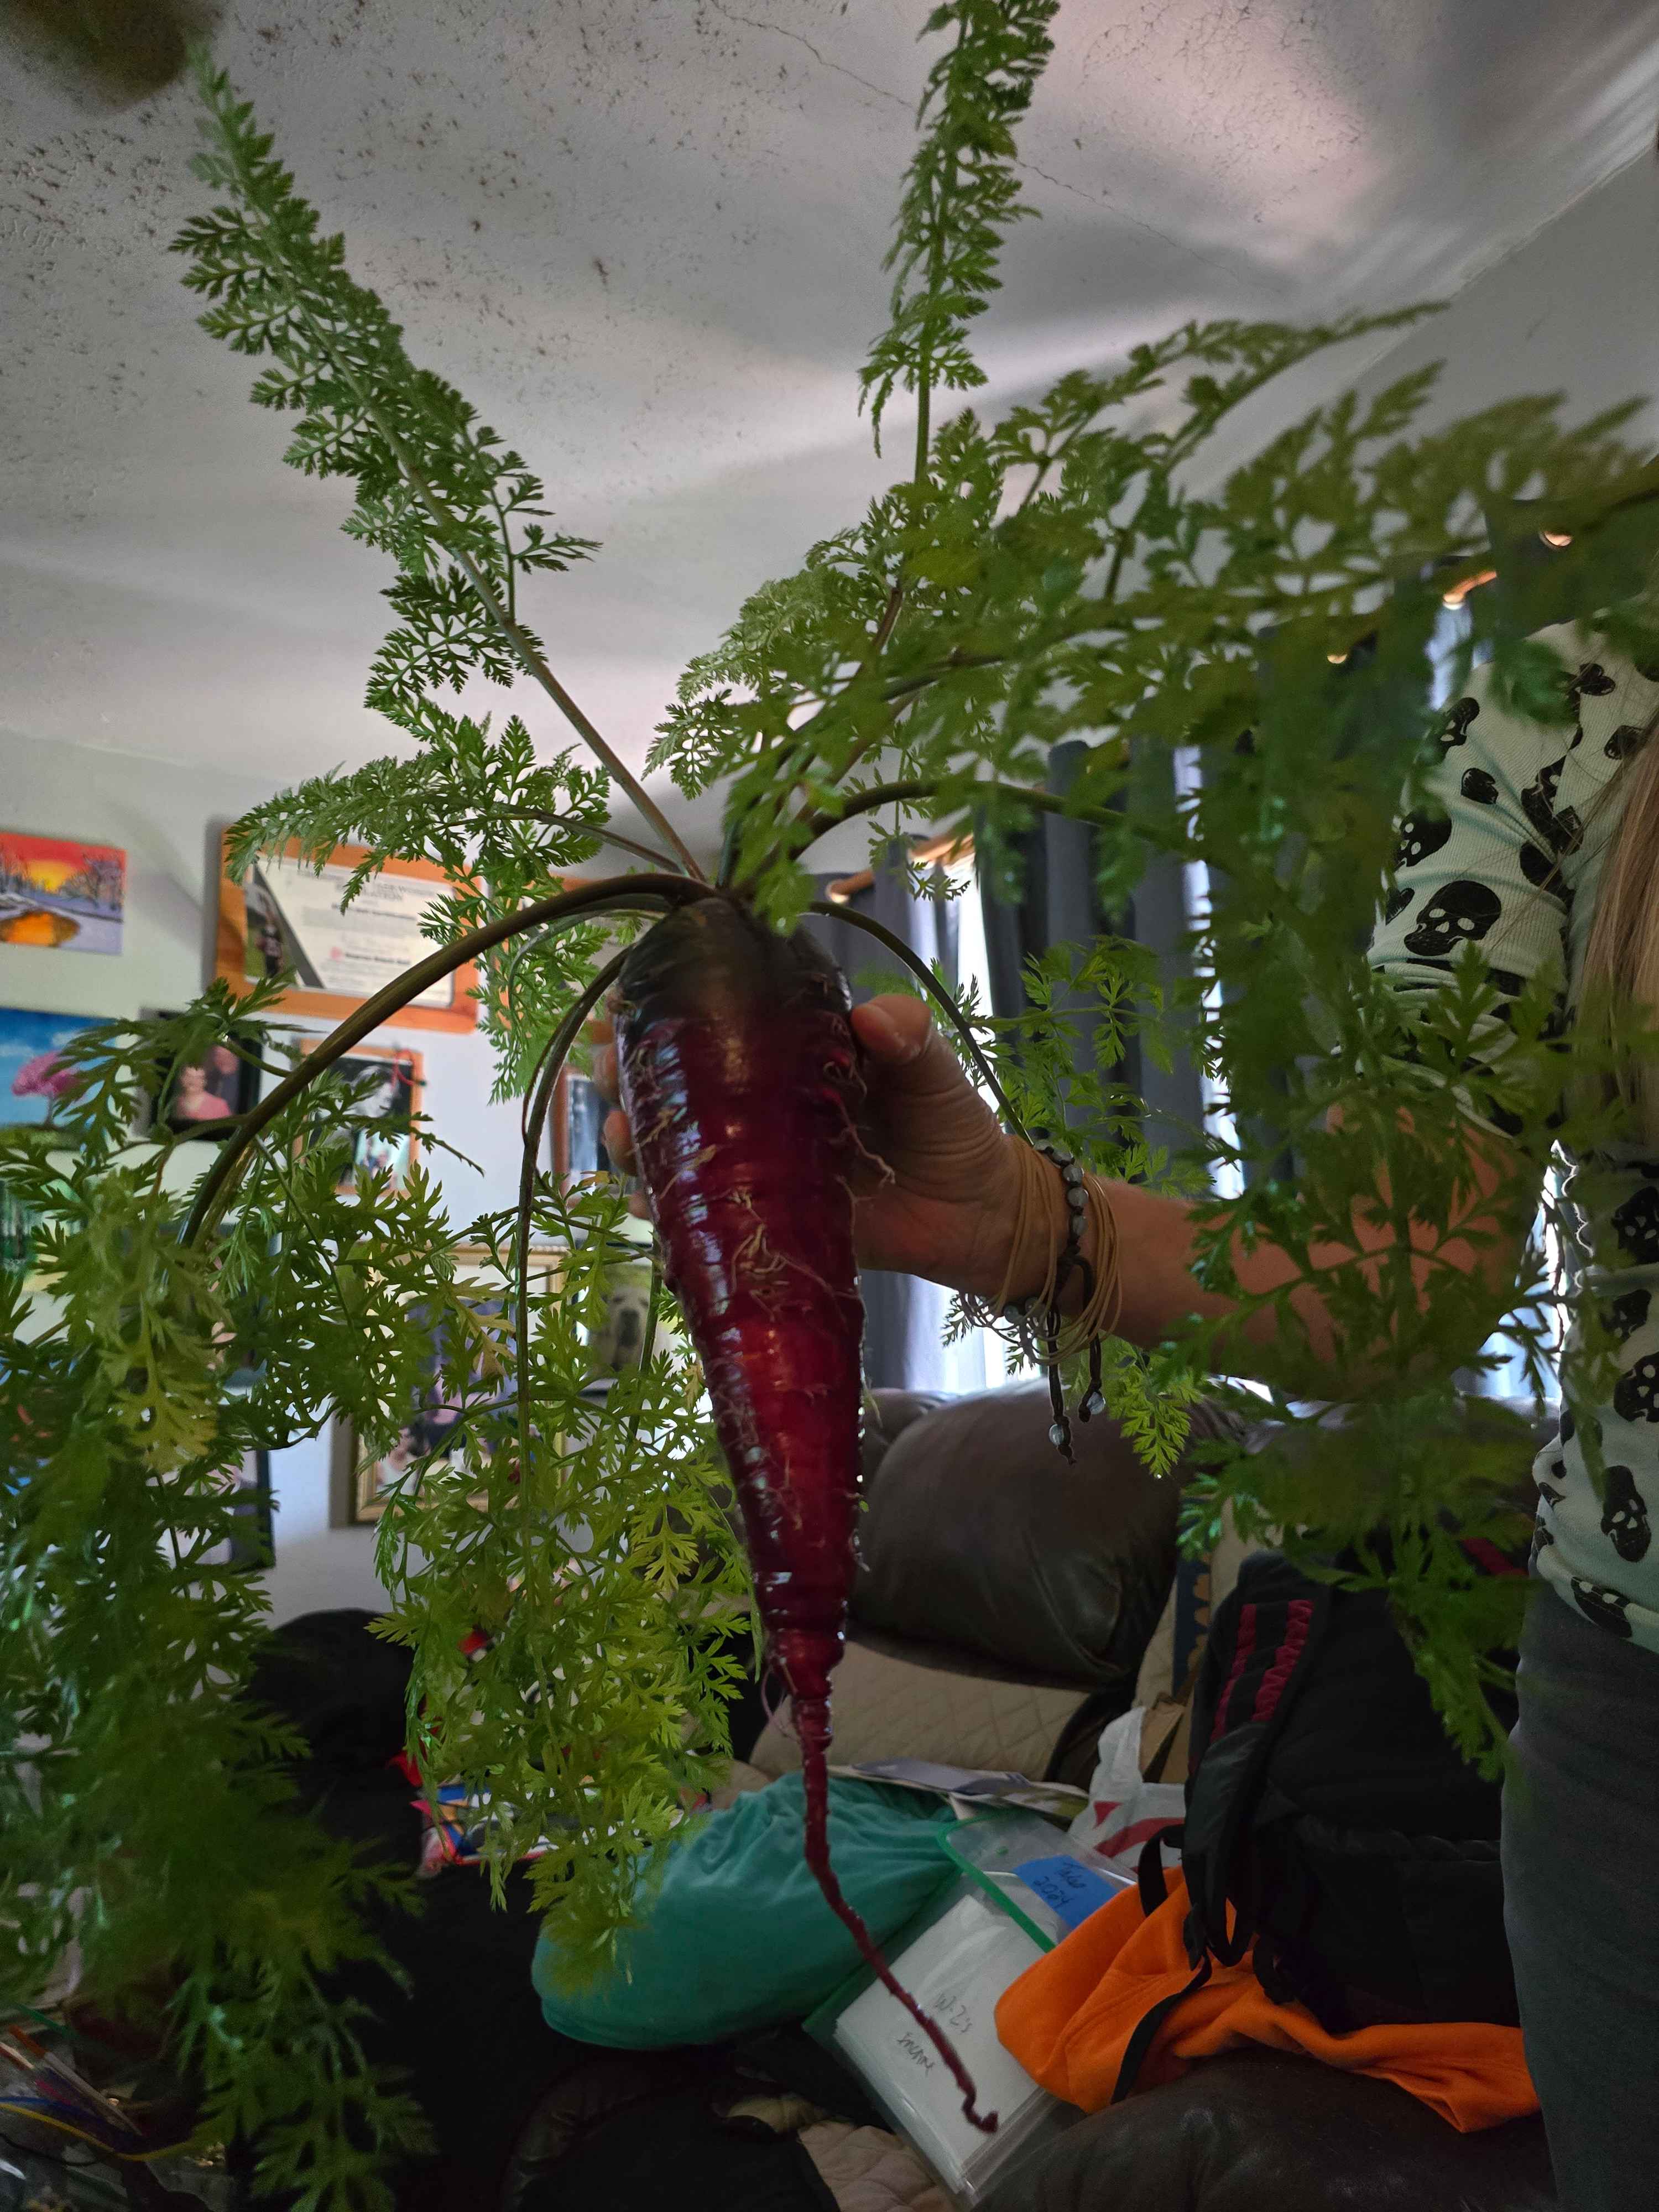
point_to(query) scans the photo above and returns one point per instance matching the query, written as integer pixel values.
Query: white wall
(1574, 310)
(167, 819)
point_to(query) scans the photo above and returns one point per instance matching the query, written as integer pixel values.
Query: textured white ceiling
(644, 237)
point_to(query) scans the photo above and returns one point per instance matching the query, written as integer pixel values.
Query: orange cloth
(1069, 2018)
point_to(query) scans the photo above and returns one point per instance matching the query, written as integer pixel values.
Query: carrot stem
(552, 1063)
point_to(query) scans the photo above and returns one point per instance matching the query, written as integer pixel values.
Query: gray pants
(1581, 1877)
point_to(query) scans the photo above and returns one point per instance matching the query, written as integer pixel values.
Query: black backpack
(1331, 1821)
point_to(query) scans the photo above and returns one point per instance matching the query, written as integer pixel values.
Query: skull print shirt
(1505, 854)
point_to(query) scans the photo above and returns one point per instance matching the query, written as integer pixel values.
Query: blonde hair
(1621, 959)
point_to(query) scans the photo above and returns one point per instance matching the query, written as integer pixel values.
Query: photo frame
(251, 1547)
(32, 1077)
(205, 1097)
(400, 1073)
(61, 894)
(254, 1546)
(577, 1128)
(358, 1486)
(287, 914)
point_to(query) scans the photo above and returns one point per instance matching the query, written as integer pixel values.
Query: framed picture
(18, 1224)
(619, 1342)
(61, 895)
(202, 1098)
(253, 1546)
(32, 1075)
(392, 1078)
(359, 1485)
(578, 1120)
(286, 915)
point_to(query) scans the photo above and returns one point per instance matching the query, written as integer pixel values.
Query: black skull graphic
(1479, 786)
(1540, 1536)
(1419, 835)
(1455, 730)
(1604, 1606)
(1398, 901)
(1459, 914)
(1551, 1496)
(1636, 1394)
(1623, 1315)
(1560, 830)
(1636, 1223)
(1592, 682)
(1624, 740)
(1624, 1515)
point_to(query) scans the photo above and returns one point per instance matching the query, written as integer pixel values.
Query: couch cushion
(888, 1707)
(978, 1537)
(1265, 2132)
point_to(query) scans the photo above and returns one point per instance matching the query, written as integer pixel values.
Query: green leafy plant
(1066, 570)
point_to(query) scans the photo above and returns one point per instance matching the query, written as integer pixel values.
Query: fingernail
(880, 1028)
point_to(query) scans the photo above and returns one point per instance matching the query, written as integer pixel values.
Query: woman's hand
(945, 1207)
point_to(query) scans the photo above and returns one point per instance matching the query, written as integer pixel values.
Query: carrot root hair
(812, 1728)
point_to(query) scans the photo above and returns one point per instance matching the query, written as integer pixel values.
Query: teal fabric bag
(735, 1936)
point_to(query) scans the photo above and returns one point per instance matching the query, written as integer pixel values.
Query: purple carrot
(739, 1074)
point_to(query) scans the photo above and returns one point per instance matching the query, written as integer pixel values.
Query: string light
(1556, 537)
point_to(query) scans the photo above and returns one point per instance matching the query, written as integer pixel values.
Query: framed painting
(577, 1128)
(205, 1097)
(61, 895)
(391, 1080)
(253, 1545)
(289, 915)
(434, 1431)
(32, 1075)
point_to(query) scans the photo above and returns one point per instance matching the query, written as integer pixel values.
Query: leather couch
(984, 1552)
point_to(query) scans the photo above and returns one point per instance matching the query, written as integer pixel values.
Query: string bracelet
(1034, 1324)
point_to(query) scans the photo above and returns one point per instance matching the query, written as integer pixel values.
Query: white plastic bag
(1123, 1810)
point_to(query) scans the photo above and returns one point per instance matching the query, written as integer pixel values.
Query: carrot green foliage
(1076, 566)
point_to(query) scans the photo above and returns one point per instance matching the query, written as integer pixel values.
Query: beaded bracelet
(1082, 1193)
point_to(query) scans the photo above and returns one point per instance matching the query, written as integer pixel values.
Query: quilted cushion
(867, 2169)
(886, 1707)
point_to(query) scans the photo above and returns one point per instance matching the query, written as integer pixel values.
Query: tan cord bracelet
(1082, 1196)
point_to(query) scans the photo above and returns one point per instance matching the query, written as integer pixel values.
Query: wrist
(1032, 1228)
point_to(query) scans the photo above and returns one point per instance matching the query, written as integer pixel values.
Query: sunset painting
(61, 895)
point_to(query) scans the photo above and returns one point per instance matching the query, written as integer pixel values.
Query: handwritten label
(1072, 1889)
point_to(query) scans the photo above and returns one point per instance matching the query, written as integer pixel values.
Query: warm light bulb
(1459, 592)
(1556, 537)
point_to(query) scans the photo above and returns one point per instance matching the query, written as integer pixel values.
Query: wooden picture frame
(253, 1548)
(377, 937)
(357, 1485)
(406, 1082)
(576, 1129)
(225, 1087)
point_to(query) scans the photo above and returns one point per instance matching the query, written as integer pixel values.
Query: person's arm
(1486, 858)
(946, 1209)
